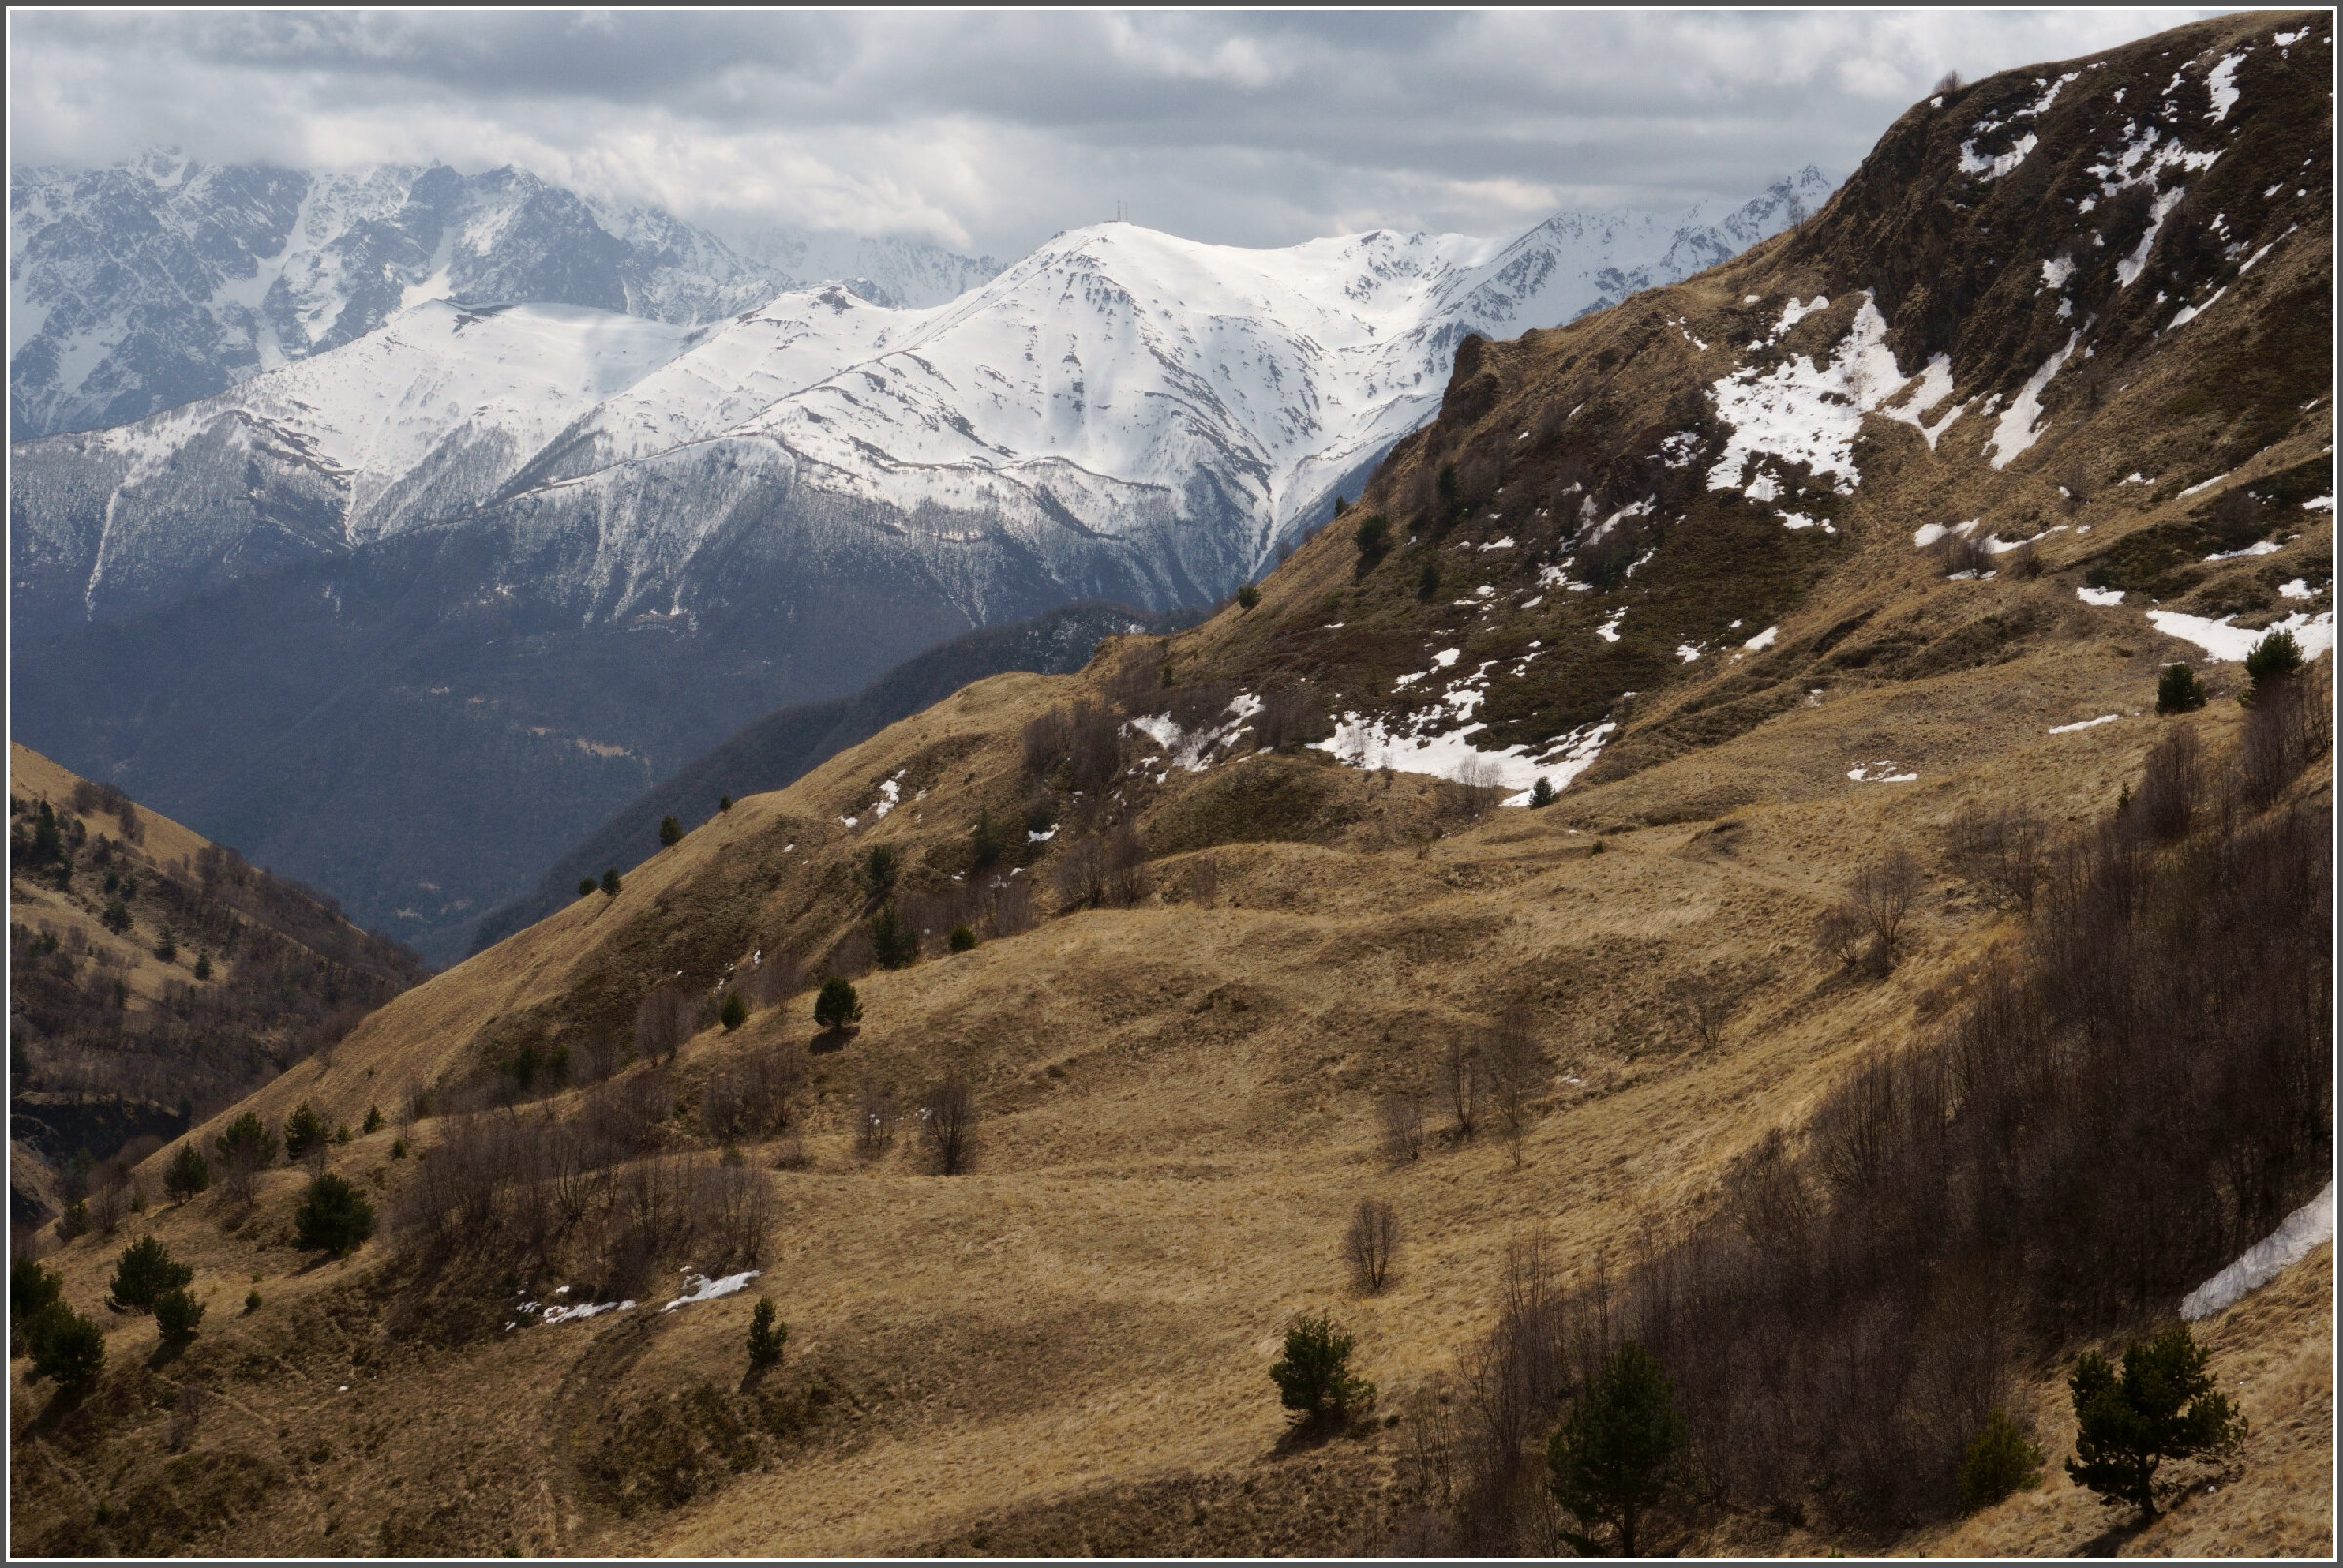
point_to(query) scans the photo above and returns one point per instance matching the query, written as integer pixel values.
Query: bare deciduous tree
(1882, 894)
(663, 1021)
(2002, 851)
(1371, 1242)
(948, 1125)
(1403, 1126)
(1512, 1064)
(1460, 1080)
(874, 1120)
(1707, 1000)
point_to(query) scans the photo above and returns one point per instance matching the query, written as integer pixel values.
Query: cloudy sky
(990, 132)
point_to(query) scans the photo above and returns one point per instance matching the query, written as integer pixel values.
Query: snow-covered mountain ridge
(1183, 407)
(161, 280)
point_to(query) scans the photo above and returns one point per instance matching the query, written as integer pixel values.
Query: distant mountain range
(574, 547)
(155, 282)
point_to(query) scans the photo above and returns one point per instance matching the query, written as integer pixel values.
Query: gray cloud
(994, 129)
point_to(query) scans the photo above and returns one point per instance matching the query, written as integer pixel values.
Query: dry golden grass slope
(1065, 1350)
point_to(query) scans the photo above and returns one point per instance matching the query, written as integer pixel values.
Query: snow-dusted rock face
(141, 287)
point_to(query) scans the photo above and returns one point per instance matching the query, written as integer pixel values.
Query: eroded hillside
(1771, 591)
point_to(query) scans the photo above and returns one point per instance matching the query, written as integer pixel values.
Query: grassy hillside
(1216, 963)
(154, 976)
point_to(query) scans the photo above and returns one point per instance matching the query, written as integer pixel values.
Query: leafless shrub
(2073, 478)
(1081, 875)
(1137, 683)
(774, 976)
(1370, 1243)
(1949, 83)
(1203, 882)
(1008, 907)
(874, 1120)
(1048, 739)
(756, 1098)
(1292, 715)
(1707, 1001)
(1125, 870)
(2022, 561)
(948, 1125)
(2171, 790)
(1999, 848)
(2289, 725)
(1200, 704)
(664, 1020)
(1961, 552)
(1429, 1466)
(1882, 893)
(1403, 1126)
(2238, 518)
(1604, 561)
(1839, 932)
(732, 1212)
(187, 1414)
(626, 1115)
(1461, 1082)
(1472, 795)
(109, 1206)
(1513, 1067)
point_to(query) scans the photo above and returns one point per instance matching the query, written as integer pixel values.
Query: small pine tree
(1427, 582)
(879, 868)
(304, 1132)
(116, 918)
(2178, 690)
(31, 1291)
(988, 841)
(177, 1313)
(670, 833)
(1373, 536)
(734, 1012)
(66, 1345)
(766, 1336)
(188, 1173)
(245, 1144)
(2000, 1461)
(1451, 494)
(1313, 1378)
(332, 1217)
(964, 937)
(724, 803)
(167, 949)
(1541, 794)
(399, 1149)
(2274, 658)
(586, 886)
(610, 883)
(74, 1222)
(2163, 1406)
(145, 1272)
(892, 938)
(1248, 595)
(1620, 1453)
(837, 1007)
(203, 966)
(252, 1303)
(373, 1122)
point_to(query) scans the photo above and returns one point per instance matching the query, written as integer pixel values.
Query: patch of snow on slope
(2190, 313)
(1192, 750)
(1802, 413)
(1609, 629)
(1995, 168)
(1370, 743)
(2315, 634)
(2291, 1242)
(2222, 83)
(1929, 390)
(2087, 724)
(1794, 312)
(2099, 596)
(2015, 431)
(2128, 269)
(2299, 588)
(565, 1314)
(704, 1289)
(1762, 640)
(1881, 772)
(2260, 546)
